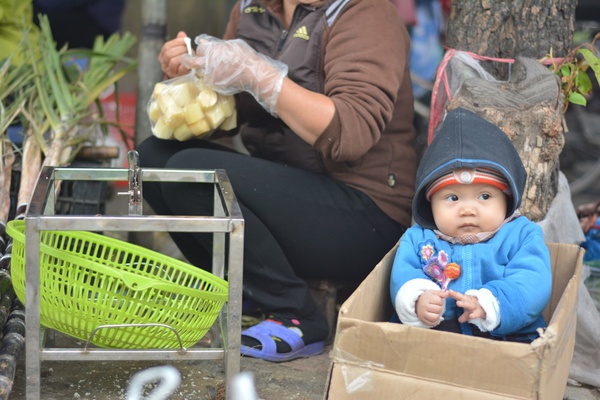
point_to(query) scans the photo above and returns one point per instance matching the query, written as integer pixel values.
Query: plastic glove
(232, 66)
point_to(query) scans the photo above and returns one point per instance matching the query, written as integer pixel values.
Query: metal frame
(227, 226)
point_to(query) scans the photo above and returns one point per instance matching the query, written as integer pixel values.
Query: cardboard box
(374, 359)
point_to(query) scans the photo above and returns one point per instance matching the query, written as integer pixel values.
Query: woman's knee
(200, 158)
(150, 153)
(155, 153)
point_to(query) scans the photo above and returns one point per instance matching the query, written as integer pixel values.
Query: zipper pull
(284, 34)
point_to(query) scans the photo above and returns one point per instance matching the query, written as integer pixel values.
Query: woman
(325, 109)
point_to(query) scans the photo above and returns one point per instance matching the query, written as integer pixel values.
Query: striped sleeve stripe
(334, 10)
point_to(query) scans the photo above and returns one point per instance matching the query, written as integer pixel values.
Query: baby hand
(470, 305)
(430, 305)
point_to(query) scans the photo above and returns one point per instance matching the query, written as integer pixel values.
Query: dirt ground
(302, 379)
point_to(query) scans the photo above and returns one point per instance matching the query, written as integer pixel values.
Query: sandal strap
(265, 330)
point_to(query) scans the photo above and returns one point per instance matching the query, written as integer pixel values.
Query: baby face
(461, 209)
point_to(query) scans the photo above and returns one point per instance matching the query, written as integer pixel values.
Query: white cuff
(490, 305)
(406, 300)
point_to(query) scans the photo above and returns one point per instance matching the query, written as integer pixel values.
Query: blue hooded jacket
(514, 264)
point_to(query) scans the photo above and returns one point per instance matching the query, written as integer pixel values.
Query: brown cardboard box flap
(368, 352)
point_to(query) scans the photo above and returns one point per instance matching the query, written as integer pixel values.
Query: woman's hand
(170, 56)
(232, 66)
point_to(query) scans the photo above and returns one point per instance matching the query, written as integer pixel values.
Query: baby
(472, 264)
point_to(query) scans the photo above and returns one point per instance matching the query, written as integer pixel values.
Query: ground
(303, 379)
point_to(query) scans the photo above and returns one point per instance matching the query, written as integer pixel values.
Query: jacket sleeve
(407, 280)
(365, 63)
(525, 289)
(232, 23)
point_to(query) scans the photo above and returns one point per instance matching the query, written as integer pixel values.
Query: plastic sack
(561, 225)
(184, 108)
(454, 69)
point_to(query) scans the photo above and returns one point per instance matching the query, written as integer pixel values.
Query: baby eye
(484, 196)
(452, 197)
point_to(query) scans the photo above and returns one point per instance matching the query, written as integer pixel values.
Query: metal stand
(227, 226)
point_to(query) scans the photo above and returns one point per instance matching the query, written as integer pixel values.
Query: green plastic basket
(88, 280)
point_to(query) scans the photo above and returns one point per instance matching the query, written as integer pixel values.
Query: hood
(467, 140)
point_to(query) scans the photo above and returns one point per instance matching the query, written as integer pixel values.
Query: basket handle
(132, 281)
(148, 325)
(137, 282)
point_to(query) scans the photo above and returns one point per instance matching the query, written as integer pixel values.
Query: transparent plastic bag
(184, 108)
(455, 68)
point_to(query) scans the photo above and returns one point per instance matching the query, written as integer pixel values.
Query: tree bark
(506, 29)
(528, 108)
(527, 103)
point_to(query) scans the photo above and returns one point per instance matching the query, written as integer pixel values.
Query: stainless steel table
(226, 224)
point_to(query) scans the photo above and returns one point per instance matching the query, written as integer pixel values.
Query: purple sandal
(263, 333)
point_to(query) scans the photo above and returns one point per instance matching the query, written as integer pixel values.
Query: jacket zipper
(282, 38)
(285, 32)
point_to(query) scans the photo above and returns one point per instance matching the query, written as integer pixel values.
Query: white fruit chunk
(181, 94)
(184, 110)
(162, 130)
(215, 116)
(158, 89)
(193, 113)
(154, 112)
(183, 133)
(201, 127)
(230, 122)
(207, 98)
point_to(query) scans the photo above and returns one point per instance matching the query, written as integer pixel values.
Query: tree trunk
(506, 29)
(527, 103)
(528, 108)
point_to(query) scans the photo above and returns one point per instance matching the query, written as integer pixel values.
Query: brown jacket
(355, 52)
